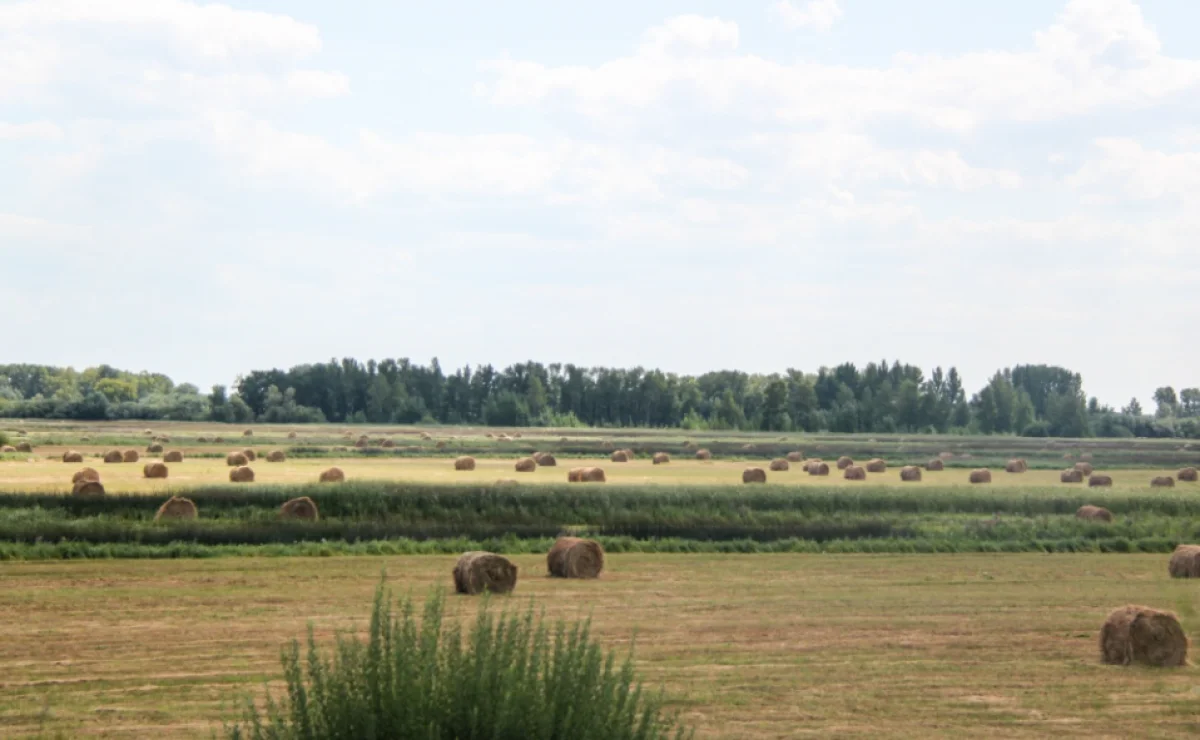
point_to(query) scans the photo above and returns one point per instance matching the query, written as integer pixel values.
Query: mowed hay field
(756, 646)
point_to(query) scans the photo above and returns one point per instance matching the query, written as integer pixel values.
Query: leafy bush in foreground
(510, 677)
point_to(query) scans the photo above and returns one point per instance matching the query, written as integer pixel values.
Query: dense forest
(1031, 400)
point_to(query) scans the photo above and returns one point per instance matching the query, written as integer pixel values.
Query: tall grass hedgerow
(511, 676)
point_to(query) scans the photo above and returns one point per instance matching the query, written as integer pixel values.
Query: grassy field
(761, 646)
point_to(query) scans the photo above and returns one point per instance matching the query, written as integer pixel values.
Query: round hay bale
(173, 456)
(484, 572)
(130, 456)
(1016, 465)
(935, 464)
(218, 440)
(24, 447)
(703, 454)
(248, 433)
(1188, 474)
(661, 458)
(545, 460)
(525, 465)
(844, 462)
(619, 456)
(154, 449)
(302, 507)
(1099, 481)
(149, 432)
(1162, 481)
(1185, 562)
(291, 435)
(779, 465)
(242, 474)
(441, 444)
(236, 459)
(87, 488)
(332, 475)
(85, 474)
(1139, 634)
(114, 456)
(426, 435)
(8, 448)
(176, 507)
(1070, 475)
(361, 443)
(1091, 513)
(754, 475)
(910, 473)
(592, 475)
(818, 468)
(1084, 467)
(573, 557)
(464, 463)
(794, 456)
(71, 456)
(154, 470)
(389, 443)
(575, 475)
(980, 475)
(202, 440)
(250, 454)
(276, 456)
(855, 472)
(876, 465)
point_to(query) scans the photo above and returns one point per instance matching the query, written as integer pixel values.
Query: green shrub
(510, 677)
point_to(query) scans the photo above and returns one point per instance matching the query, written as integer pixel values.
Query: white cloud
(818, 14)
(692, 33)
(1126, 167)
(32, 130)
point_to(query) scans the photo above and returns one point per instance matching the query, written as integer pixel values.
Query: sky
(204, 189)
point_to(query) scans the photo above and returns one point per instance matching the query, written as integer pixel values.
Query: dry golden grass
(758, 646)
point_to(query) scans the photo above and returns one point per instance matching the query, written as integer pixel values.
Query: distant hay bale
(87, 488)
(202, 440)
(1016, 465)
(248, 433)
(844, 462)
(1070, 475)
(502, 438)
(291, 435)
(545, 460)
(1162, 481)
(946, 455)
(935, 464)
(593, 475)
(484, 572)
(250, 454)
(525, 465)
(1185, 562)
(24, 447)
(619, 456)
(516, 435)
(1084, 467)
(1099, 481)
(574, 557)
(71, 456)
(661, 458)
(8, 448)
(361, 442)
(218, 440)
(910, 473)
(1139, 634)
(703, 454)
(130, 456)
(464, 463)
(84, 475)
(490, 435)
(242, 474)
(808, 462)
(236, 459)
(1091, 513)
(149, 432)
(426, 435)
(176, 507)
(441, 444)
(754, 475)
(275, 456)
(154, 470)
(390, 443)
(1188, 474)
(855, 472)
(980, 475)
(174, 456)
(303, 508)
(332, 475)
(876, 465)
(114, 456)
(795, 456)
(779, 465)
(154, 449)
(817, 468)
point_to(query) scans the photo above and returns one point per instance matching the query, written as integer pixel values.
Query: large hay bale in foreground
(661, 458)
(619, 456)
(236, 459)
(1098, 481)
(241, 474)
(545, 460)
(574, 557)
(87, 488)
(114, 456)
(1084, 467)
(131, 456)
(817, 468)
(85, 474)
(332, 475)
(1191, 475)
(275, 456)
(1162, 481)
(464, 463)
(779, 465)
(1139, 634)
(154, 449)
(250, 454)
(302, 507)
(1091, 513)
(980, 475)
(525, 465)
(844, 462)
(910, 473)
(484, 572)
(855, 472)
(592, 475)
(176, 507)
(71, 456)
(1071, 475)
(154, 470)
(935, 464)
(173, 456)
(1185, 562)
(876, 465)
(574, 475)
(1016, 465)
(754, 475)
(703, 454)
(795, 456)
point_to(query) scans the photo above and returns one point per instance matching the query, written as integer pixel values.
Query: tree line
(883, 397)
